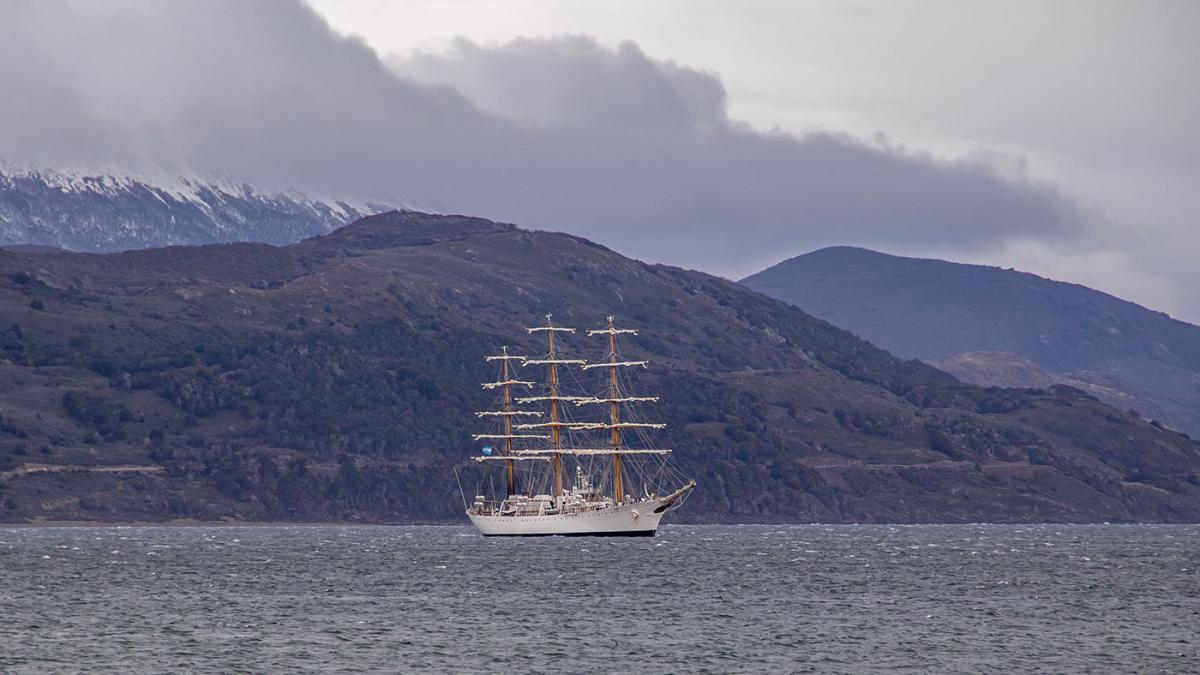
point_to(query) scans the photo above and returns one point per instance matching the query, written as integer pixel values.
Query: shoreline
(315, 524)
(213, 523)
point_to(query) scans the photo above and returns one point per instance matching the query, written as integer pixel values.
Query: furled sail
(619, 399)
(554, 362)
(504, 357)
(574, 426)
(615, 364)
(535, 399)
(507, 383)
(480, 437)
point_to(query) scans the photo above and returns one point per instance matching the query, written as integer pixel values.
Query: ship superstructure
(558, 428)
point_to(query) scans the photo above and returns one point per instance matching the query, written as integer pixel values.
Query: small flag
(487, 451)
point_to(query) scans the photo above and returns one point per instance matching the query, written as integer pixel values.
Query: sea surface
(292, 599)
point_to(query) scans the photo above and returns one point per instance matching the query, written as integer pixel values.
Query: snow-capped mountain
(89, 211)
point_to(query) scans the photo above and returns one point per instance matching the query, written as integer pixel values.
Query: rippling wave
(696, 598)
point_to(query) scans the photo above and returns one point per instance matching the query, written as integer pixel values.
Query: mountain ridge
(936, 310)
(107, 212)
(334, 379)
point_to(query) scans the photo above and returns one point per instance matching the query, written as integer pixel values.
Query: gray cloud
(571, 81)
(557, 133)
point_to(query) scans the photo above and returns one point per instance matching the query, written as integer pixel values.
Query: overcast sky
(1062, 138)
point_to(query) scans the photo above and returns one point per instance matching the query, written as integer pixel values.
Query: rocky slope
(982, 322)
(334, 379)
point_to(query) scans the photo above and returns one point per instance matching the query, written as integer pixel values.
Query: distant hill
(335, 379)
(85, 211)
(978, 322)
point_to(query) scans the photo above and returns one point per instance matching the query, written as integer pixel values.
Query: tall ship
(575, 460)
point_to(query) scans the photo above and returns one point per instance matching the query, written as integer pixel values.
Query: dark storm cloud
(556, 133)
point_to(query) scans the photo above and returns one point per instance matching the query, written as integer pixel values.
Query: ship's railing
(481, 506)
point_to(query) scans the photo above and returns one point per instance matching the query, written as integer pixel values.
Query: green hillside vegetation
(335, 379)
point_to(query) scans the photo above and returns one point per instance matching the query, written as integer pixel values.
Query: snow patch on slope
(89, 210)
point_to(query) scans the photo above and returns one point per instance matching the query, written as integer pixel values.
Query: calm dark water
(694, 599)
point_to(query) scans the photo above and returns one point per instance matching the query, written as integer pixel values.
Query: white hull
(630, 520)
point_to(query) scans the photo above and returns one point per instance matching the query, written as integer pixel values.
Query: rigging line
(460, 490)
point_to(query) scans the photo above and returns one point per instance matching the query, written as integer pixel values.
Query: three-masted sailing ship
(618, 479)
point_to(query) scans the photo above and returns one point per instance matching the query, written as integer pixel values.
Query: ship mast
(507, 412)
(614, 411)
(615, 399)
(555, 424)
(555, 451)
(508, 442)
